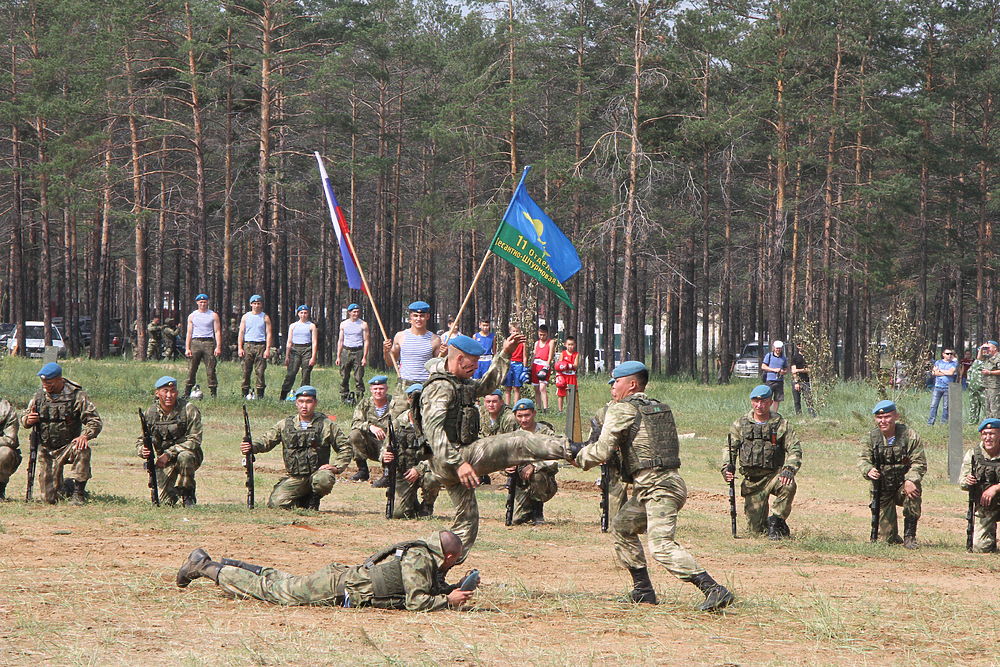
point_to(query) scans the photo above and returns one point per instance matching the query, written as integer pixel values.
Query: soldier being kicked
(769, 455)
(412, 470)
(307, 439)
(67, 422)
(369, 426)
(10, 453)
(981, 477)
(175, 429)
(893, 456)
(536, 484)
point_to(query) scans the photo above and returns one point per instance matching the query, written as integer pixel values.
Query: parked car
(115, 340)
(34, 339)
(748, 360)
(5, 332)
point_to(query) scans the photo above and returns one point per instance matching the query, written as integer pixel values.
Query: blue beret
(416, 386)
(50, 371)
(379, 379)
(882, 407)
(256, 297)
(989, 422)
(761, 391)
(628, 368)
(164, 381)
(993, 343)
(419, 307)
(201, 297)
(496, 392)
(306, 390)
(353, 306)
(524, 404)
(467, 345)
(301, 308)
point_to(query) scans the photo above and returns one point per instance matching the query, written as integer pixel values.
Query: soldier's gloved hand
(245, 447)
(787, 475)
(164, 459)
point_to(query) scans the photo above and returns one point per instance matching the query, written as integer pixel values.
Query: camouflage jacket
(784, 436)
(174, 432)
(991, 364)
(547, 467)
(910, 446)
(975, 375)
(981, 455)
(365, 416)
(505, 423)
(331, 436)
(419, 565)
(616, 421)
(437, 396)
(8, 425)
(65, 416)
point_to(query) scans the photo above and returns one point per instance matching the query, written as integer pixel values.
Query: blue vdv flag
(530, 220)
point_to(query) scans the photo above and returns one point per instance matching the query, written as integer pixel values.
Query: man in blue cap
(991, 380)
(412, 348)
(370, 426)
(769, 456)
(980, 476)
(642, 433)
(301, 347)
(203, 343)
(354, 337)
(175, 430)
(536, 481)
(314, 450)
(893, 459)
(10, 452)
(253, 346)
(449, 418)
(413, 472)
(67, 421)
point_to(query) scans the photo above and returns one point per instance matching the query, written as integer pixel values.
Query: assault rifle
(970, 515)
(390, 471)
(147, 442)
(511, 495)
(876, 496)
(35, 440)
(605, 483)
(732, 486)
(248, 459)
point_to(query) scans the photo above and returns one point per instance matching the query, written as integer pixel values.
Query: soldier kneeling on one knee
(175, 430)
(980, 476)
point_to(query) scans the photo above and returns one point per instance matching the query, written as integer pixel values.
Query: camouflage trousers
(298, 357)
(153, 348)
(253, 362)
(289, 491)
(976, 401)
(282, 588)
(179, 474)
(351, 366)
(888, 528)
(201, 350)
(491, 455)
(539, 489)
(756, 494)
(991, 402)
(406, 493)
(653, 509)
(50, 469)
(365, 445)
(984, 535)
(10, 459)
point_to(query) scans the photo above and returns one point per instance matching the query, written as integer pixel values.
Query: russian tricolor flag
(340, 227)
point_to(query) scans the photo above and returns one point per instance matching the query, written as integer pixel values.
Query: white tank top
(203, 324)
(256, 328)
(354, 335)
(414, 352)
(301, 333)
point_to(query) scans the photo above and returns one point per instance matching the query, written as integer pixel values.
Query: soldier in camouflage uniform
(975, 380)
(168, 338)
(892, 455)
(990, 373)
(412, 469)
(67, 422)
(10, 453)
(175, 429)
(370, 425)
(308, 438)
(407, 575)
(496, 418)
(642, 432)
(980, 476)
(450, 421)
(536, 481)
(154, 331)
(769, 456)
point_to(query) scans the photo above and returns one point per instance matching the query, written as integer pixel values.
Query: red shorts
(534, 374)
(561, 387)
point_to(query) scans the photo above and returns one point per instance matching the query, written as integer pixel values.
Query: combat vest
(413, 448)
(60, 422)
(760, 448)
(893, 461)
(461, 422)
(303, 449)
(167, 430)
(651, 440)
(387, 575)
(986, 472)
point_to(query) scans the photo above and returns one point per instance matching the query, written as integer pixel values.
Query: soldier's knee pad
(322, 482)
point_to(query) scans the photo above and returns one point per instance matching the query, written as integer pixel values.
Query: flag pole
(371, 300)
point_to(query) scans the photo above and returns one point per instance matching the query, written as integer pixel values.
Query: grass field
(94, 584)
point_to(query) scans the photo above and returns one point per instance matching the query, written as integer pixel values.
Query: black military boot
(573, 448)
(538, 514)
(642, 587)
(425, 509)
(283, 395)
(198, 564)
(383, 481)
(783, 528)
(362, 475)
(259, 393)
(910, 532)
(79, 493)
(484, 479)
(187, 497)
(3, 490)
(213, 391)
(187, 391)
(777, 529)
(249, 567)
(314, 500)
(717, 596)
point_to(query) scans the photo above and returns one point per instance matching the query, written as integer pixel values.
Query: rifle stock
(511, 495)
(249, 458)
(605, 496)
(147, 442)
(970, 518)
(876, 497)
(390, 471)
(35, 442)
(732, 486)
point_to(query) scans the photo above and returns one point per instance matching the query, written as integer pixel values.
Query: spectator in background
(569, 361)
(945, 372)
(775, 367)
(445, 334)
(965, 364)
(515, 377)
(541, 365)
(487, 338)
(800, 383)
(975, 379)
